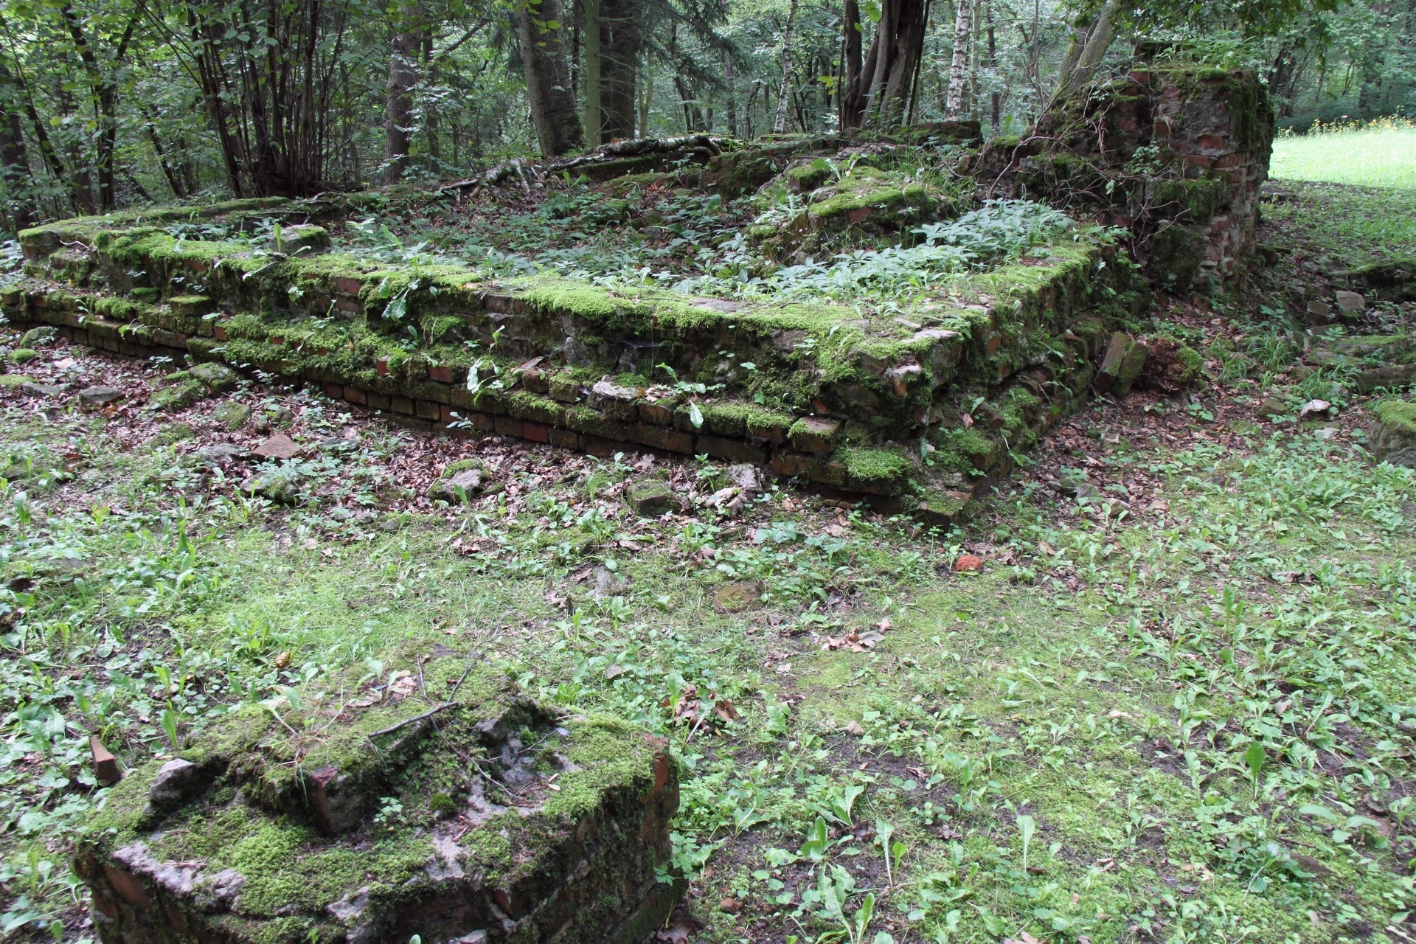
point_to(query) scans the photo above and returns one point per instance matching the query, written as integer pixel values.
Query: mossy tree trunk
(594, 121)
(14, 159)
(958, 67)
(881, 90)
(404, 48)
(542, 29)
(779, 124)
(620, 39)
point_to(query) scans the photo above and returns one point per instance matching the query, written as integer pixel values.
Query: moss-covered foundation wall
(865, 405)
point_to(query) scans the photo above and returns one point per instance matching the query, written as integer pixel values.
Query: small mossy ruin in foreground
(434, 801)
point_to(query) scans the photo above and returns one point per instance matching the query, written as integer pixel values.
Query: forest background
(107, 104)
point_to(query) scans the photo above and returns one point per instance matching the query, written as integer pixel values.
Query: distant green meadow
(1381, 153)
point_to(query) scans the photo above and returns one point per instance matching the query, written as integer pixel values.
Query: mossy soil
(1177, 707)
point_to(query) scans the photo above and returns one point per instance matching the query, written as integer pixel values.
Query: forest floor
(1161, 688)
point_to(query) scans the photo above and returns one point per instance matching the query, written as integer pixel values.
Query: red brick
(441, 374)
(355, 395)
(536, 432)
(347, 285)
(483, 421)
(565, 438)
(670, 440)
(507, 426)
(334, 390)
(449, 414)
(734, 450)
(377, 401)
(427, 410)
(790, 463)
(600, 446)
(660, 414)
(402, 405)
(219, 331)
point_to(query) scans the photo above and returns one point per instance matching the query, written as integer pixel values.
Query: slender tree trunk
(14, 159)
(732, 95)
(619, 67)
(1087, 50)
(174, 180)
(783, 91)
(542, 31)
(432, 123)
(850, 96)
(958, 68)
(79, 195)
(404, 48)
(104, 90)
(646, 100)
(593, 119)
(996, 100)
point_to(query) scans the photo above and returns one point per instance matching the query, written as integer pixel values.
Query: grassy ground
(1175, 705)
(1352, 225)
(1382, 154)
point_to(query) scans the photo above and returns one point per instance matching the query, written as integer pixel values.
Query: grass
(1379, 154)
(1182, 711)
(1354, 224)
(1196, 721)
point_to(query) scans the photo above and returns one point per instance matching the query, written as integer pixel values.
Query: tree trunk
(779, 125)
(646, 100)
(553, 108)
(619, 67)
(850, 96)
(882, 91)
(14, 161)
(404, 48)
(593, 120)
(732, 96)
(958, 68)
(1087, 50)
(104, 90)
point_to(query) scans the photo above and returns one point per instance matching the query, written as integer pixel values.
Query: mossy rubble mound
(432, 801)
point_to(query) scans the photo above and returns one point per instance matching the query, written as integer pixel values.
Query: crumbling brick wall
(1177, 152)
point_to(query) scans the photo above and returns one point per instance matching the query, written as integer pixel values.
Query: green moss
(880, 471)
(964, 449)
(1398, 414)
(1200, 198)
(21, 355)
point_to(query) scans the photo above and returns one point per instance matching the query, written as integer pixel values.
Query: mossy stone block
(876, 471)
(44, 334)
(232, 414)
(215, 377)
(1120, 366)
(357, 819)
(1394, 433)
(179, 396)
(815, 434)
(301, 239)
(650, 498)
